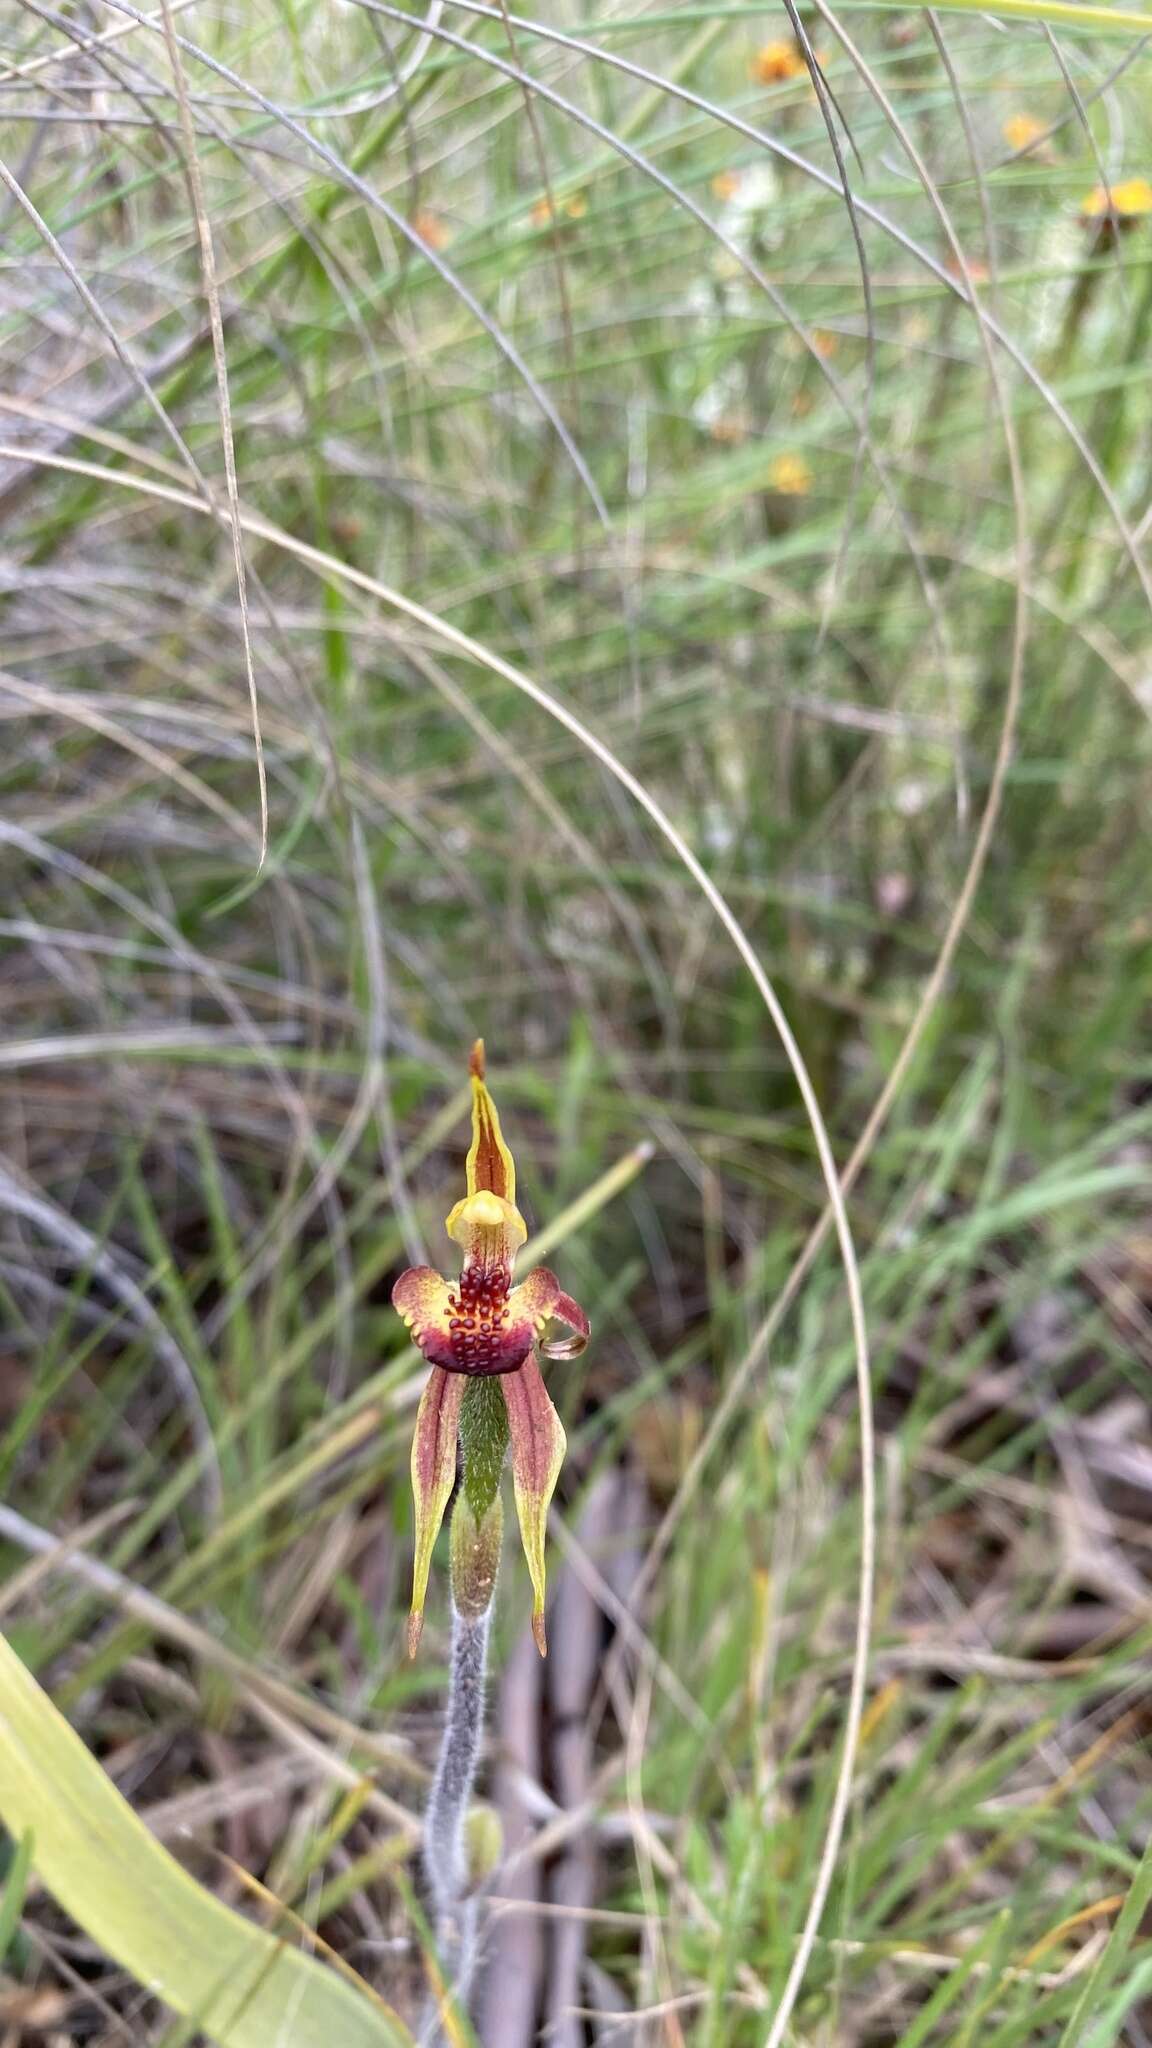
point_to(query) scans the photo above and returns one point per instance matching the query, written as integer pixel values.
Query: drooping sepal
(538, 1446)
(433, 1477)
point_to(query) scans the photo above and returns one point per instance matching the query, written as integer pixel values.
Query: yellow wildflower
(1020, 131)
(1126, 202)
(790, 475)
(574, 208)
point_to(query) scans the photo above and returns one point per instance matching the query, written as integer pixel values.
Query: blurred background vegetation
(771, 391)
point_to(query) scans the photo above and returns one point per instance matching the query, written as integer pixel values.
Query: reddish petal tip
(476, 1061)
(415, 1631)
(539, 1633)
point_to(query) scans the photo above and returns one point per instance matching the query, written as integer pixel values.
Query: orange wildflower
(973, 269)
(778, 62)
(726, 184)
(574, 208)
(433, 232)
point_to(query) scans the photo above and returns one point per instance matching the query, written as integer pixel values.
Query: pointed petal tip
(415, 1631)
(539, 1632)
(476, 1062)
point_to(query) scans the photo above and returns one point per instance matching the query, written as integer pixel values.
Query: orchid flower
(478, 1327)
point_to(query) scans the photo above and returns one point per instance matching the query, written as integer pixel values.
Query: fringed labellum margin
(479, 1327)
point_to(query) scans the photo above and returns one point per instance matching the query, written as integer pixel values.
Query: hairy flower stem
(446, 1865)
(454, 1862)
(445, 1859)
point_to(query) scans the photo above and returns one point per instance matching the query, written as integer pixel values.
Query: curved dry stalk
(87, 44)
(107, 327)
(36, 847)
(67, 704)
(88, 1253)
(371, 103)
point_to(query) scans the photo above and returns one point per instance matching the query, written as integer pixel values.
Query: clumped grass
(553, 349)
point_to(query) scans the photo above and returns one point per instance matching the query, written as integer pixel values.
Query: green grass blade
(15, 1891)
(1090, 2004)
(244, 1987)
(1061, 14)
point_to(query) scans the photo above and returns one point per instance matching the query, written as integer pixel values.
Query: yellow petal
(790, 475)
(487, 1222)
(1021, 130)
(1128, 200)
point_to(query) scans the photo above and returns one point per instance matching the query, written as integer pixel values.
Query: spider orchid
(477, 1327)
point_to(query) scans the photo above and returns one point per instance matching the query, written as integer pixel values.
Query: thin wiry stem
(407, 233)
(88, 1253)
(208, 267)
(867, 209)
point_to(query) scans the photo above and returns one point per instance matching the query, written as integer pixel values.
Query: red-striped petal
(538, 1446)
(433, 1477)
